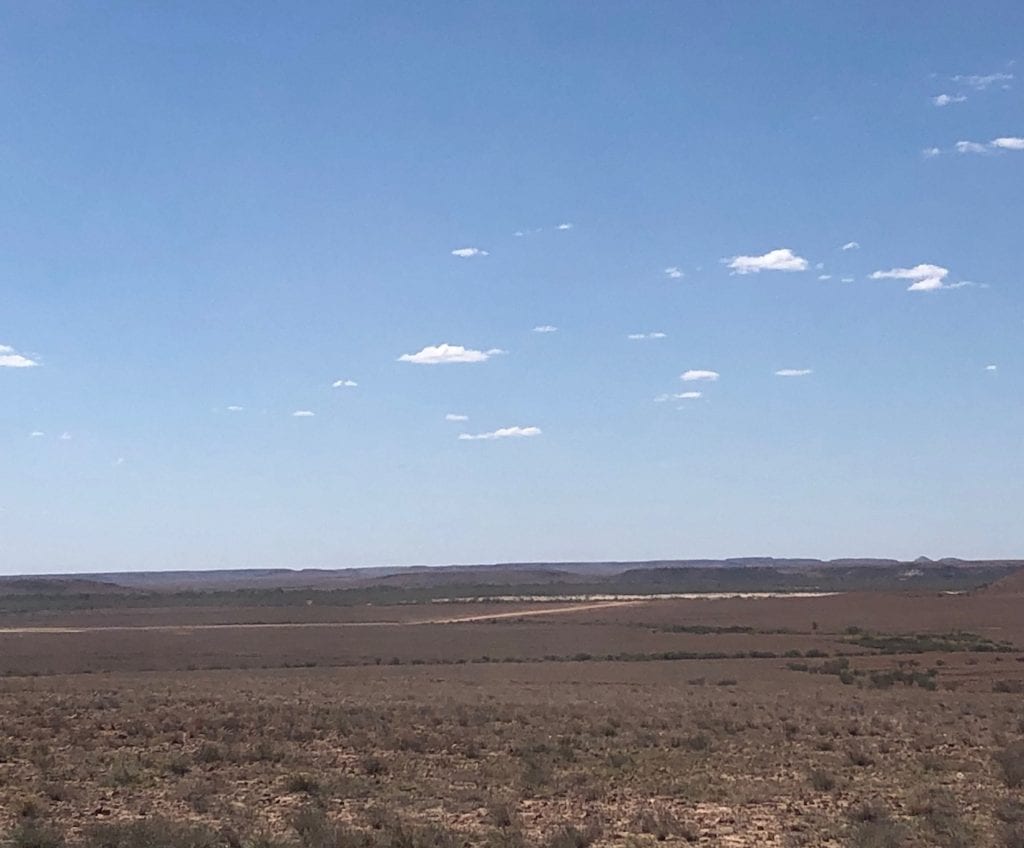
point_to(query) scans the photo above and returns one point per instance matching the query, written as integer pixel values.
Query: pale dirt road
(177, 628)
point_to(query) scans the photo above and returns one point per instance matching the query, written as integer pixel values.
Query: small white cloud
(235, 408)
(119, 461)
(793, 372)
(824, 276)
(503, 433)
(65, 437)
(645, 336)
(970, 147)
(674, 273)
(851, 245)
(36, 434)
(344, 384)
(923, 277)
(946, 99)
(698, 374)
(930, 152)
(303, 413)
(447, 353)
(678, 396)
(565, 226)
(991, 367)
(782, 259)
(982, 81)
(545, 328)
(10, 358)
(454, 416)
(468, 252)
(846, 279)
(1008, 143)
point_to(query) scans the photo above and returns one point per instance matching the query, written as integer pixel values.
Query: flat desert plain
(871, 719)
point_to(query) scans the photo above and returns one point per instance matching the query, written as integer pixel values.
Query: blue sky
(211, 213)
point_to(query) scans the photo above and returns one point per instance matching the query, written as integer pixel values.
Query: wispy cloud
(782, 259)
(565, 226)
(931, 152)
(1006, 142)
(469, 252)
(673, 272)
(303, 413)
(793, 372)
(982, 81)
(10, 358)
(923, 277)
(503, 433)
(851, 245)
(344, 384)
(235, 408)
(698, 374)
(545, 328)
(678, 396)
(36, 434)
(991, 367)
(65, 437)
(444, 354)
(454, 416)
(824, 276)
(947, 99)
(646, 336)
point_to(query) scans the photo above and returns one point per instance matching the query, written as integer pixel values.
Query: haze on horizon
(336, 285)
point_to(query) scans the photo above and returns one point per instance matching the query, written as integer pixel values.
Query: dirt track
(581, 607)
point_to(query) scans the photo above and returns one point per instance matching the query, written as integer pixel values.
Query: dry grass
(568, 752)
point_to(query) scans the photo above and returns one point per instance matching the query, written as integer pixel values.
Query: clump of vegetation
(927, 643)
(1011, 763)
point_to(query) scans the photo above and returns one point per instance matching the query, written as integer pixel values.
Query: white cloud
(344, 384)
(65, 437)
(970, 147)
(9, 358)
(991, 367)
(851, 245)
(454, 416)
(1008, 143)
(782, 259)
(646, 336)
(946, 99)
(119, 461)
(846, 279)
(982, 81)
(235, 408)
(674, 273)
(923, 277)
(930, 152)
(824, 276)
(545, 328)
(447, 353)
(503, 433)
(565, 226)
(697, 374)
(793, 372)
(468, 252)
(303, 413)
(36, 434)
(678, 396)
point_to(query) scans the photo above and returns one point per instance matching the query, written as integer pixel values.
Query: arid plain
(881, 718)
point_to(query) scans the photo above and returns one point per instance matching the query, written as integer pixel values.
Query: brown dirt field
(862, 747)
